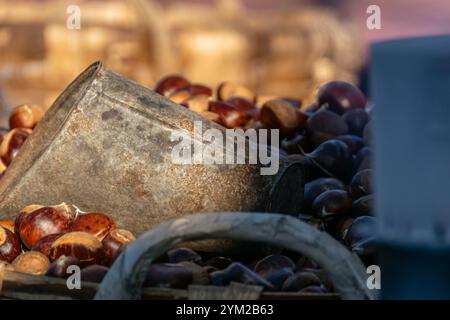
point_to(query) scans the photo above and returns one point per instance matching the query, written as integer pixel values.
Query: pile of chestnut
(46, 240)
(22, 121)
(331, 137)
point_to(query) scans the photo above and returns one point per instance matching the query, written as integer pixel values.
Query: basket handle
(126, 276)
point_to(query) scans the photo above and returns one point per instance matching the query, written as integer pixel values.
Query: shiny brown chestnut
(273, 262)
(229, 116)
(219, 263)
(198, 103)
(97, 224)
(325, 125)
(12, 143)
(361, 184)
(44, 221)
(7, 224)
(44, 244)
(93, 273)
(363, 206)
(25, 116)
(340, 96)
(356, 120)
(278, 276)
(331, 158)
(22, 214)
(332, 203)
(168, 275)
(354, 143)
(31, 262)
(115, 242)
(9, 245)
(296, 144)
(81, 245)
(338, 226)
(237, 272)
(58, 268)
(241, 104)
(200, 89)
(227, 90)
(183, 255)
(211, 116)
(299, 281)
(180, 96)
(280, 114)
(363, 159)
(171, 83)
(316, 187)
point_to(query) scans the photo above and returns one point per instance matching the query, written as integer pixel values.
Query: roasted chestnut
(325, 125)
(58, 268)
(278, 277)
(332, 157)
(9, 245)
(273, 262)
(356, 120)
(338, 226)
(44, 221)
(198, 103)
(363, 159)
(7, 224)
(340, 96)
(168, 275)
(94, 273)
(31, 262)
(44, 244)
(12, 143)
(332, 203)
(115, 242)
(219, 262)
(25, 116)
(81, 245)
(361, 184)
(229, 116)
(296, 144)
(318, 186)
(237, 272)
(97, 224)
(22, 214)
(362, 227)
(241, 104)
(171, 83)
(299, 281)
(363, 206)
(183, 255)
(280, 114)
(180, 96)
(354, 143)
(218, 278)
(200, 89)
(227, 90)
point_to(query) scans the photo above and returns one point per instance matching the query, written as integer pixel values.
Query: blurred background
(276, 47)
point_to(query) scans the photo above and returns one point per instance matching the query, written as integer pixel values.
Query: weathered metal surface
(105, 146)
(347, 273)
